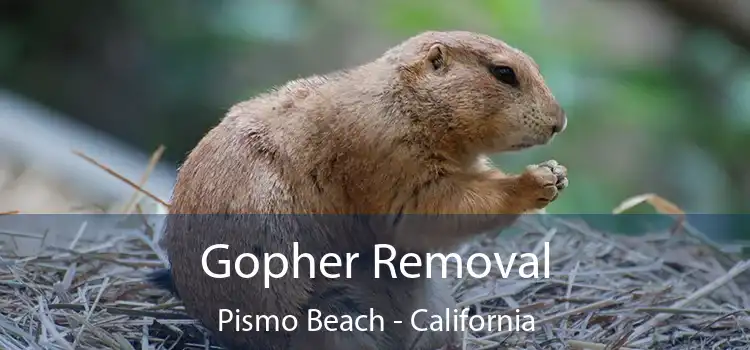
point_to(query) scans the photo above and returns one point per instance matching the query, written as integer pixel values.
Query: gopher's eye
(505, 74)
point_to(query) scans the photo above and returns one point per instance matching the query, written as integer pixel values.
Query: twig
(584, 345)
(121, 311)
(142, 182)
(122, 178)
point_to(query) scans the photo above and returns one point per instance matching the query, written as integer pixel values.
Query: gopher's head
(476, 91)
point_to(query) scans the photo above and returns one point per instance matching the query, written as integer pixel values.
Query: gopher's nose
(562, 122)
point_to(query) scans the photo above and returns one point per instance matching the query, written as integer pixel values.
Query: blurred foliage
(153, 72)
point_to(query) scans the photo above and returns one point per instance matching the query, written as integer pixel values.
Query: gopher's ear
(436, 57)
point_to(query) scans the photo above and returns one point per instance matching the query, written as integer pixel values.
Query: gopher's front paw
(542, 183)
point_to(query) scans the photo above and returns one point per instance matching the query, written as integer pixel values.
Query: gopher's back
(246, 182)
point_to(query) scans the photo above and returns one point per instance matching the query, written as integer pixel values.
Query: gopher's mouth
(531, 142)
(520, 146)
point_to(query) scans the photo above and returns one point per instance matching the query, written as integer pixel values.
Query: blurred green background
(657, 92)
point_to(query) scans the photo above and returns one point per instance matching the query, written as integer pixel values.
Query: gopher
(343, 161)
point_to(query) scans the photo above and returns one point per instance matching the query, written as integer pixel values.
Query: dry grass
(661, 291)
(664, 291)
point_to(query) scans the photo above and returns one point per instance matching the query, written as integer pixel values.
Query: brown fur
(407, 133)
